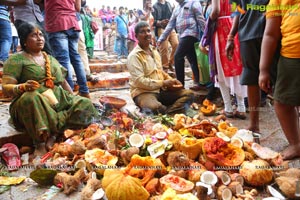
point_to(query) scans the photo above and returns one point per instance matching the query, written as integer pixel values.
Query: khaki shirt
(146, 73)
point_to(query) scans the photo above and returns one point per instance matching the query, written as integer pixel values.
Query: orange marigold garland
(49, 78)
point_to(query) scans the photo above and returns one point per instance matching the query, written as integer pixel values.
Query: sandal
(240, 115)
(227, 114)
(11, 156)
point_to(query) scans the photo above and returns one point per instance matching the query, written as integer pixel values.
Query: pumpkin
(222, 153)
(119, 185)
(180, 185)
(191, 147)
(256, 172)
(100, 158)
(228, 130)
(144, 168)
(203, 129)
(208, 108)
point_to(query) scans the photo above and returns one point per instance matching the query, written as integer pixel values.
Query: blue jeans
(64, 46)
(14, 45)
(5, 39)
(121, 43)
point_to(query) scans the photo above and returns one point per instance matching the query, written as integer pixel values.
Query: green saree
(33, 112)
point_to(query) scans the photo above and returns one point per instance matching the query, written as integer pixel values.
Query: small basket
(113, 102)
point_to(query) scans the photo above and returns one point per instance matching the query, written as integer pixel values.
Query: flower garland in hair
(49, 78)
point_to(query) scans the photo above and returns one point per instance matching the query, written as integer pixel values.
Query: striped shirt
(188, 20)
(4, 14)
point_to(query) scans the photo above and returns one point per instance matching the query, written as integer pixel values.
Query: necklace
(38, 60)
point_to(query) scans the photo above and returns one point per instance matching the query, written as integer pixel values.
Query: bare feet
(253, 129)
(291, 152)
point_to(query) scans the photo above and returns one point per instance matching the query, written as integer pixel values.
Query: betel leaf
(43, 176)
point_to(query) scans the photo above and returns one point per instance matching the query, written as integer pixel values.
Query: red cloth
(233, 67)
(60, 15)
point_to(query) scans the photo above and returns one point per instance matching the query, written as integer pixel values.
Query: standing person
(188, 20)
(82, 50)
(88, 33)
(162, 12)
(115, 12)
(283, 26)
(15, 38)
(227, 70)
(150, 87)
(131, 18)
(5, 28)
(63, 29)
(31, 12)
(121, 33)
(146, 15)
(250, 27)
(131, 35)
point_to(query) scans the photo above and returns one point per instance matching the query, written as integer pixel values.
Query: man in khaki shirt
(151, 88)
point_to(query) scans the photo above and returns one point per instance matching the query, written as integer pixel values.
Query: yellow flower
(148, 141)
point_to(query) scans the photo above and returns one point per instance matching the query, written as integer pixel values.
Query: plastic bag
(203, 65)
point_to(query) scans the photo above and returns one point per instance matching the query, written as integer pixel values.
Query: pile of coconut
(165, 157)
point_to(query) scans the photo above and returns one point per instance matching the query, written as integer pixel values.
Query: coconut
(136, 140)
(209, 177)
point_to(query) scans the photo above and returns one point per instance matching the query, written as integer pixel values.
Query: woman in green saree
(43, 104)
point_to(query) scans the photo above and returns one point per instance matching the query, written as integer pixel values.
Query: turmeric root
(91, 186)
(68, 182)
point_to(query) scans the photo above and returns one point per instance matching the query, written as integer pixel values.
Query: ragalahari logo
(236, 10)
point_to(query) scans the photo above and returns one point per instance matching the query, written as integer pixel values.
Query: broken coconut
(209, 177)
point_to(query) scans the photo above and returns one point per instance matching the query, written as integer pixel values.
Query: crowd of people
(246, 53)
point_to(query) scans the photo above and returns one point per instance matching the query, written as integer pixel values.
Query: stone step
(113, 67)
(107, 80)
(8, 134)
